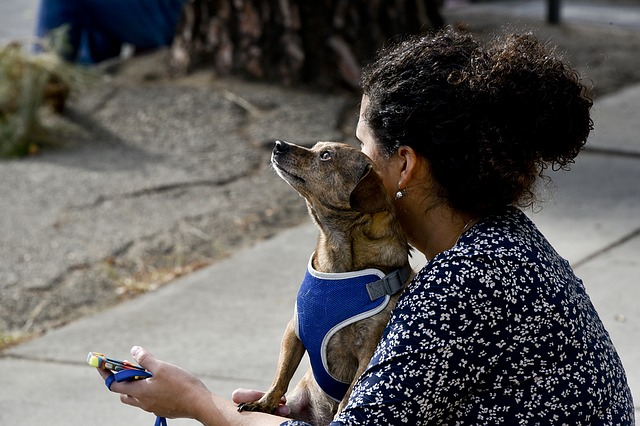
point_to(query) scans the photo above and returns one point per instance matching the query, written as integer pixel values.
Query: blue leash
(128, 375)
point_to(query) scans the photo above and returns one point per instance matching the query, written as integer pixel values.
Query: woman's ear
(409, 164)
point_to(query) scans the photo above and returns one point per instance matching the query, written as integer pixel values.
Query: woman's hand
(249, 395)
(171, 392)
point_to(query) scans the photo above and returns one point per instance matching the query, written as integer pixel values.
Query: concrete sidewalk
(224, 322)
(626, 15)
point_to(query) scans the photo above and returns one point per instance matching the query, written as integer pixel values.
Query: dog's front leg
(363, 362)
(291, 353)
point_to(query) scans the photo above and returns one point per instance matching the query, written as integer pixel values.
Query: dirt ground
(606, 55)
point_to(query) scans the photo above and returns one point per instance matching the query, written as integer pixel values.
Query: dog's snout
(281, 147)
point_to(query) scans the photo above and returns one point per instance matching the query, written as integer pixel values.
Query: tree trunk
(320, 42)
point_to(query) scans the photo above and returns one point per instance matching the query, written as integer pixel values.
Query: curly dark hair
(489, 120)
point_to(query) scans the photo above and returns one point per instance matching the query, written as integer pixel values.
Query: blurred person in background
(98, 29)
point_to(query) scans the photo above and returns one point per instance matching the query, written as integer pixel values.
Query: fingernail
(135, 350)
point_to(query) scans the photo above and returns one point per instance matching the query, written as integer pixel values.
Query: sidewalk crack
(607, 248)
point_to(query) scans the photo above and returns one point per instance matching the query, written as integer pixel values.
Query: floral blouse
(496, 330)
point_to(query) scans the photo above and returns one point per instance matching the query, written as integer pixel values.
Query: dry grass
(30, 82)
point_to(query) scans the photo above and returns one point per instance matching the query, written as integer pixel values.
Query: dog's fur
(358, 230)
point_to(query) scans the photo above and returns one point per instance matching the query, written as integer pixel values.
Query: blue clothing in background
(99, 28)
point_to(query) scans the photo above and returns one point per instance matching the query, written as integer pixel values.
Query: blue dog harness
(328, 302)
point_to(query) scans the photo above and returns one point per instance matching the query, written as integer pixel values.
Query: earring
(401, 193)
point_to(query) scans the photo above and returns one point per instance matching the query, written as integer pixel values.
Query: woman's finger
(104, 373)
(249, 395)
(143, 358)
(246, 395)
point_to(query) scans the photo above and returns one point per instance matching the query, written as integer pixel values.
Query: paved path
(626, 15)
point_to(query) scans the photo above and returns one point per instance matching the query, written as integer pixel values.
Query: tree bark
(319, 42)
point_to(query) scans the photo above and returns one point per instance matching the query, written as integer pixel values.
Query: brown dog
(362, 255)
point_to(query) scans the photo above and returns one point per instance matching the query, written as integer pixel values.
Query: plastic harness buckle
(390, 284)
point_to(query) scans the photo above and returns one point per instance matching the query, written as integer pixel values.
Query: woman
(496, 328)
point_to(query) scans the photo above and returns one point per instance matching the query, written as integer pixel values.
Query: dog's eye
(325, 156)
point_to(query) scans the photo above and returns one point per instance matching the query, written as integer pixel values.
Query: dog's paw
(255, 406)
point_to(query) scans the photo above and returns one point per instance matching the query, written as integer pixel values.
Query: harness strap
(129, 375)
(390, 284)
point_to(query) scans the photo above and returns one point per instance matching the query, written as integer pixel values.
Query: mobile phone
(99, 360)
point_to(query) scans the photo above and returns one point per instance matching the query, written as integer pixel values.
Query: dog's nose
(281, 147)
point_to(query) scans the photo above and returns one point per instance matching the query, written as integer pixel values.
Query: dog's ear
(369, 195)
